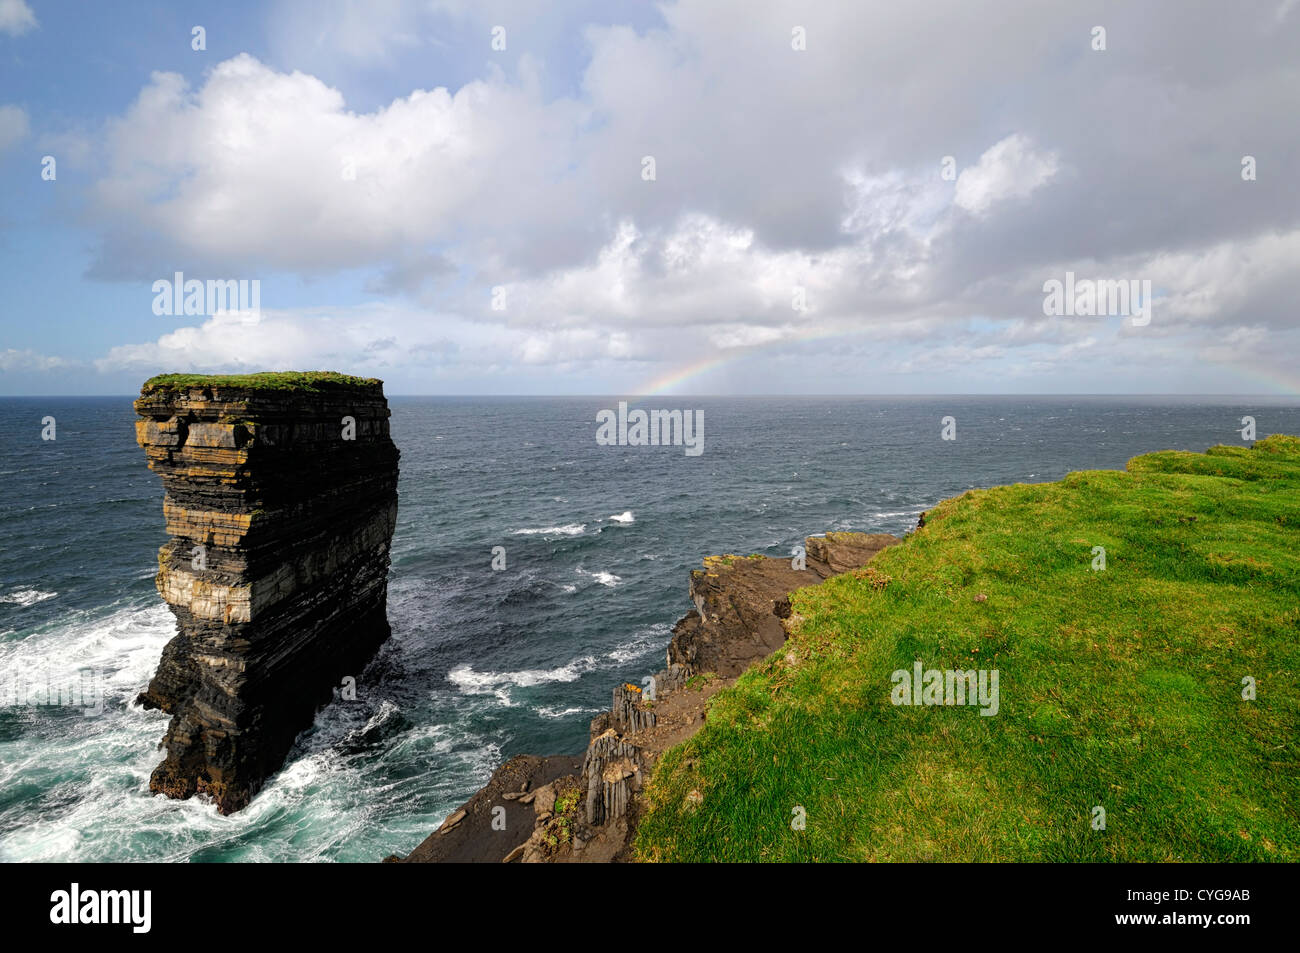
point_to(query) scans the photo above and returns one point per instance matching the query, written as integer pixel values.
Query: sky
(689, 197)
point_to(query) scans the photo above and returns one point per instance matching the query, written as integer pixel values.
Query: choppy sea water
(482, 664)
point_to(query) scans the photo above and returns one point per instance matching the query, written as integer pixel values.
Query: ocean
(482, 664)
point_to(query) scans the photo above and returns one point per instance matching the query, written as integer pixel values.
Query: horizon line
(657, 396)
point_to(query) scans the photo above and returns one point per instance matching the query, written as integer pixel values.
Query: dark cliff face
(280, 505)
(585, 810)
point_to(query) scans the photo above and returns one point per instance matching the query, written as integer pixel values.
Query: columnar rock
(281, 499)
(629, 713)
(611, 769)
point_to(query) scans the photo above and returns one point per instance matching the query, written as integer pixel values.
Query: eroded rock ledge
(281, 499)
(569, 809)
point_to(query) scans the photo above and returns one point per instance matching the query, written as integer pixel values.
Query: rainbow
(665, 383)
(1281, 382)
(698, 368)
(1286, 384)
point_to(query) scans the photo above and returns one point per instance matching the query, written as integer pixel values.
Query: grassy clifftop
(309, 381)
(1120, 688)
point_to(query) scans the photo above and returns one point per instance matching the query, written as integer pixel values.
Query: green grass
(1119, 688)
(310, 381)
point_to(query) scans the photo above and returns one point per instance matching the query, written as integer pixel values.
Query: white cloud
(257, 166)
(776, 169)
(363, 30)
(16, 17)
(12, 359)
(357, 338)
(1239, 344)
(13, 126)
(1009, 169)
(370, 33)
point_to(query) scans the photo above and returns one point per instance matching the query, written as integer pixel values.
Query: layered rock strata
(280, 503)
(740, 602)
(589, 814)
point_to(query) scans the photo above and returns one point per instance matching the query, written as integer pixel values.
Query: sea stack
(281, 499)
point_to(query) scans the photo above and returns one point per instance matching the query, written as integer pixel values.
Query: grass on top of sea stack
(310, 381)
(1120, 688)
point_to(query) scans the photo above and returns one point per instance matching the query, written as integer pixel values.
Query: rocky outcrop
(281, 499)
(611, 769)
(500, 818)
(740, 601)
(741, 605)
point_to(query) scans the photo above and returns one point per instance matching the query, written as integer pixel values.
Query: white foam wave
(602, 577)
(386, 710)
(654, 638)
(89, 777)
(27, 597)
(565, 712)
(106, 758)
(624, 517)
(569, 529)
(499, 683)
(122, 648)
